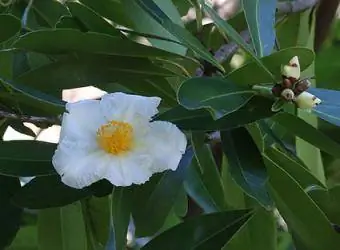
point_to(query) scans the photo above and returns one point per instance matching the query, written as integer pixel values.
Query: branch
(295, 6)
(37, 120)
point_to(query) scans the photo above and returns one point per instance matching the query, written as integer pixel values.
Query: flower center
(115, 137)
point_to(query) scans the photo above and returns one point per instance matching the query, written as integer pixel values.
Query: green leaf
(304, 218)
(305, 131)
(251, 73)
(233, 35)
(12, 27)
(57, 228)
(70, 40)
(10, 215)
(157, 197)
(47, 192)
(208, 172)
(209, 231)
(121, 210)
(183, 35)
(144, 23)
(245, 164)
(26, 158)
(260, 16)
(200, 120)
(91, 19)
(219, 96)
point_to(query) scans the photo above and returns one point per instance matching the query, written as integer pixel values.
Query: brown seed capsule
(301, 87)
(277, 89)
(288, 94)
(287, 83)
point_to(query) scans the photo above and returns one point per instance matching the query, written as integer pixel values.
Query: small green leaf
(308, 133)
(75, 41)
(26, 158)
(245, 164)
(260, 16)
(47, 192)
(251, 73)
(219, 96)
(210, 231)
(12, 27)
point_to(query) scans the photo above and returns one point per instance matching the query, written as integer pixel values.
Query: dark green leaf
(308, 133)
(245, 164)
(121, 211)
(260, 16)
(251, 73)
(158, 197)
(11, 26)
(210, 231)
(26, 158)
(91, 19)
(70, 40)
(46, 192)
(179, 32)
(304, 218)
(10, 215)
(219, 96)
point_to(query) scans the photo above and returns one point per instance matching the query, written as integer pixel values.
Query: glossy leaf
(260, 16)
(121, 211)
(91, 19)
(69, 41)
(47, 192)
(11, 28)
(233, 35)
(304, 218)
(26, 158)
(209, 231)
(10, 215)
(184, 36)
(219, 96)
(158, 197)
(251, 73)
(308, 133)
(245, 164)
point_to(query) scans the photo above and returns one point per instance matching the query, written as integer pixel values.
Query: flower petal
(307, 101)
(124, 107)
(167, 144)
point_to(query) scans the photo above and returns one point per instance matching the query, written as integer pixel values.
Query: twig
(295, 6)
(37, 120)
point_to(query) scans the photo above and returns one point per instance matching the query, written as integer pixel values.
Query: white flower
(292, 69)
(307, 101)
(113, 139)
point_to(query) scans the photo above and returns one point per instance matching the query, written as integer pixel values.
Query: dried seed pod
(288, 95)
(277, 89)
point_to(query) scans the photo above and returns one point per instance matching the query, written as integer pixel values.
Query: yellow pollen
(115, 137)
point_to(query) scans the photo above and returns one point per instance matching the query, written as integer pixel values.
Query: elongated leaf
(158, 196)
(200, 120)
(10, 215)
(209, 231)
(308, 133)
(260, 16)
(219, 96)
(58, 226)
(11, 28)
(121, 211)
(184, 36)
(91, 19)
(47, 192)
(26, 158)
(245, 164)
(251, 73)
(75, 41)
(228, 30)
(304, 218)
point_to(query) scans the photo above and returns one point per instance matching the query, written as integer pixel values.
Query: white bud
(294, 62)
(290, 71)
(288, 94)
(306, 100)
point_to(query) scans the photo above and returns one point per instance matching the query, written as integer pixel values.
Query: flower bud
(287, 83)
(307, 101)
(277, 89)
(292, 70)
(288, 94)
